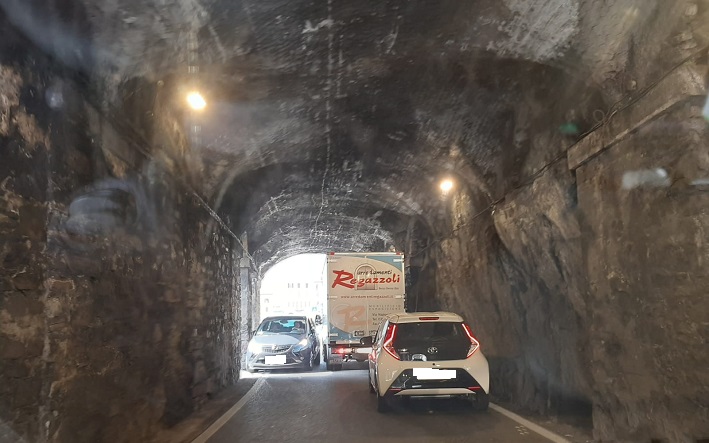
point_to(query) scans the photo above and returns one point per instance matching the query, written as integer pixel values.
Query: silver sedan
(283, 342)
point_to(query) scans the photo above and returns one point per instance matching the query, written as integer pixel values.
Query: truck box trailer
(362, 289)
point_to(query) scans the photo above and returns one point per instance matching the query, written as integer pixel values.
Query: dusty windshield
(335, 220)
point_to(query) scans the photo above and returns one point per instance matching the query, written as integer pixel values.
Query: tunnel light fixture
(446, 185)
(196, 101)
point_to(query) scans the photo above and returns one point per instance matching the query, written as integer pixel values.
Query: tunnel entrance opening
(295, 286)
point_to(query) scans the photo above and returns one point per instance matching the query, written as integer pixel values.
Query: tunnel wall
(120, 305)
(23, 212)
(587, 295)
(506, 274)
(646, 263)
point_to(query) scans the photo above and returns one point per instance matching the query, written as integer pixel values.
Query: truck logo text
(348, 280)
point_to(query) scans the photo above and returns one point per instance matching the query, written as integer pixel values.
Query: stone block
(61, 286)
(15, 368)
(26, 391)
(33, 219)
(171, 296)
(19, 305)
(27, 282)
(199, 390)
(200, 372)
(12, 349)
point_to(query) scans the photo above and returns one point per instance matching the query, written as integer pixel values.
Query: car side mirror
(318, 320)
(366, 341)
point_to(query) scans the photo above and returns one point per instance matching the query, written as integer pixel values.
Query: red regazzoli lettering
(343, 278)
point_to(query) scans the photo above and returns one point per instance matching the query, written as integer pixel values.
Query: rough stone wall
(505, 273)
(587, 295)
(23, 214)
(646, 262)
(150, 321)
(120, 310)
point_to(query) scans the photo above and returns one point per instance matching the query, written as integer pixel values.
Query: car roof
(415, 317)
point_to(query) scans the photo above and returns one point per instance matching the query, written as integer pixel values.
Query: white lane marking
(529, 425)
(206, 435)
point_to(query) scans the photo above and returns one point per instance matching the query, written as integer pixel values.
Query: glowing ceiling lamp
(196, 101)
(446, 185)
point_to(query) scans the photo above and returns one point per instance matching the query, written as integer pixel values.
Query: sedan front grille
(275, 349)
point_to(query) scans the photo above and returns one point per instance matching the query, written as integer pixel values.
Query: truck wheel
(325, 359)
(336, 367)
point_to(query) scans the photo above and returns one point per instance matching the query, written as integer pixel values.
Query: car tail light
(474, 343)
(388, 344)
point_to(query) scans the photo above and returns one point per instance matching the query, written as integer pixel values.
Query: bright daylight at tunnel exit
(380, 221)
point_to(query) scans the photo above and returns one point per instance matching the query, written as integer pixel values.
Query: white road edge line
(529, 425)
(217, 425)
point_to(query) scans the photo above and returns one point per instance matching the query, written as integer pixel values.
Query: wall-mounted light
(196, 101)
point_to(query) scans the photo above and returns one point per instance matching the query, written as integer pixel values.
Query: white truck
(362, 289)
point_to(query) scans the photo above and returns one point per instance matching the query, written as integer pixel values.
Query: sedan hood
(277, 339)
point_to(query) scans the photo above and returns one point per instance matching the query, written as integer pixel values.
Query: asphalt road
(337, 406)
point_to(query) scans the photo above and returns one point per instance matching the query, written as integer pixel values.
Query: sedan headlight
(254, 348)
(301, 345)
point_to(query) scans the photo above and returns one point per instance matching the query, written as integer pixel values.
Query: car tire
(383, 405)
(309, 363)
(316, 362)
(481, 402)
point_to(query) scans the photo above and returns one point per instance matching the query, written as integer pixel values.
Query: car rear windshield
(428, 331)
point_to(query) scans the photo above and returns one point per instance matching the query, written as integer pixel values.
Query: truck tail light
(474, 343)
(388, 344)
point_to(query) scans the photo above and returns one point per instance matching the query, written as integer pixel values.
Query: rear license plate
(275, 359)
(335, 359)
(434, 374)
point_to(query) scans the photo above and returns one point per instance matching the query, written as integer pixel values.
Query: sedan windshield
(282, 326)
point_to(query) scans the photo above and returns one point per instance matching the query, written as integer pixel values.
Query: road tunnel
(136, 226)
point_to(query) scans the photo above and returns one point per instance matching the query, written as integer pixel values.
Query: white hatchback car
(426, 354)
